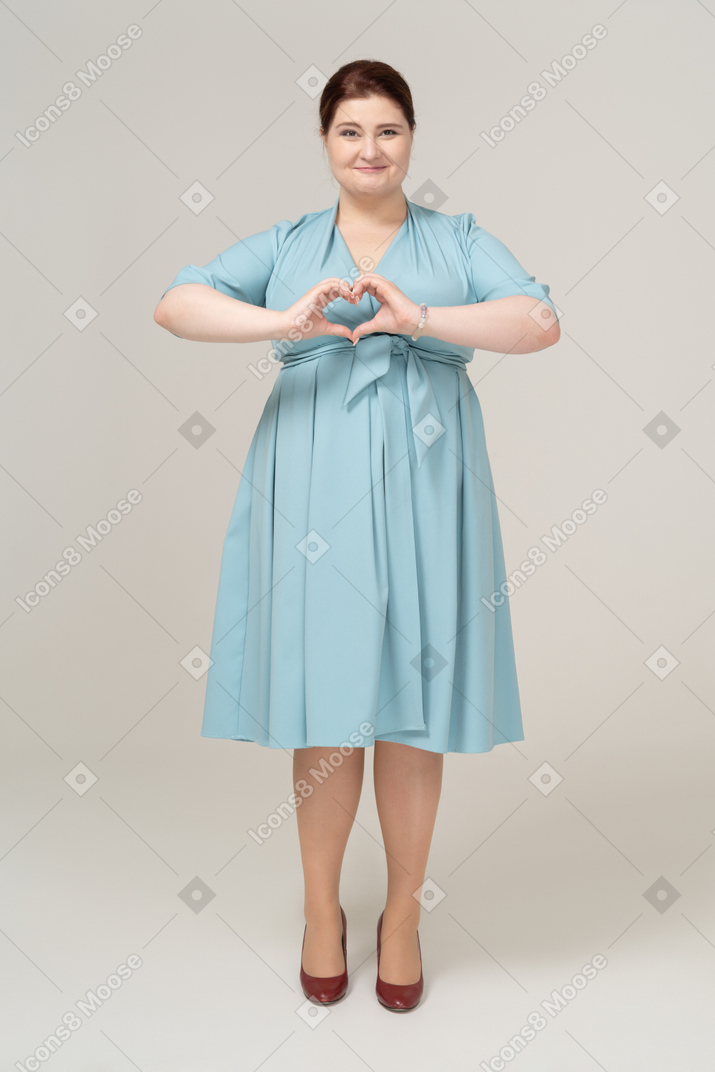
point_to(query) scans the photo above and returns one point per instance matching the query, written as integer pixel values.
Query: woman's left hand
(397, 315)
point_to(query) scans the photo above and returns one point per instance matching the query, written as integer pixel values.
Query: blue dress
(354, 595)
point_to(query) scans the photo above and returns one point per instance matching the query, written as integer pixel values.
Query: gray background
(612, 853)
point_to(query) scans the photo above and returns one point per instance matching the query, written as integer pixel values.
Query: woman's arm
(202, 314)
(509, 325)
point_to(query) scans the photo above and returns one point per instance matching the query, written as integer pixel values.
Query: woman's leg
(325, 819)
(408, 782)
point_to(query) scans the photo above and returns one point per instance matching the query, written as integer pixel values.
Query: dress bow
(371, 360)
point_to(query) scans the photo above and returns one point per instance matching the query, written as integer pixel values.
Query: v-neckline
(336, 230)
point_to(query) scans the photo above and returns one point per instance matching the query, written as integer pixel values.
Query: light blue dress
(364, 544)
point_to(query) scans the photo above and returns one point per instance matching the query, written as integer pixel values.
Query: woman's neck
(379, 213)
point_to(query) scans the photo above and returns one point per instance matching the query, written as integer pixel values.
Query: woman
(359, 594)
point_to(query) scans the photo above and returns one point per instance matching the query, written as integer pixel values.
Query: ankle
(322, 912)
(400, 919)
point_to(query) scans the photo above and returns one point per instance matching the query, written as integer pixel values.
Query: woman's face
(369, 145)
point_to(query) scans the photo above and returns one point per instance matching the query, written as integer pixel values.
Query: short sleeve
(243, 270)
(496, 273)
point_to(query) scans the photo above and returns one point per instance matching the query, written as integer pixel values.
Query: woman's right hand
(305, 319)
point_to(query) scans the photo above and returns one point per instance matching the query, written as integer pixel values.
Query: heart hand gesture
(397, 314)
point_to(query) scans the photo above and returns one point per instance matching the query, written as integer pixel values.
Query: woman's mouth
(369, 169)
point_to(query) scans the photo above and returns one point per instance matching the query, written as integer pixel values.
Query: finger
(376, 282)
(332, 287)
(346, 292)
(359, 287)
(364, 329)
(372, 284)
(331, 280)
(350, 295)
(322, 295)
(341, 331)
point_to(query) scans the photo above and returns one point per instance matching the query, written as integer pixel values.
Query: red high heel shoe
(330, 988)
(397, 997)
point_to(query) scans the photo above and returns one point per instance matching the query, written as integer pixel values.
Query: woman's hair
(361, 79)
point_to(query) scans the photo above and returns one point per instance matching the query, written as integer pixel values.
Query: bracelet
(423, 314)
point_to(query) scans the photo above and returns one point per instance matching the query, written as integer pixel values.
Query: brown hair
(361, 79)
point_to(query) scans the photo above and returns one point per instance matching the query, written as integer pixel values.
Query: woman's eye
(388, 131)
